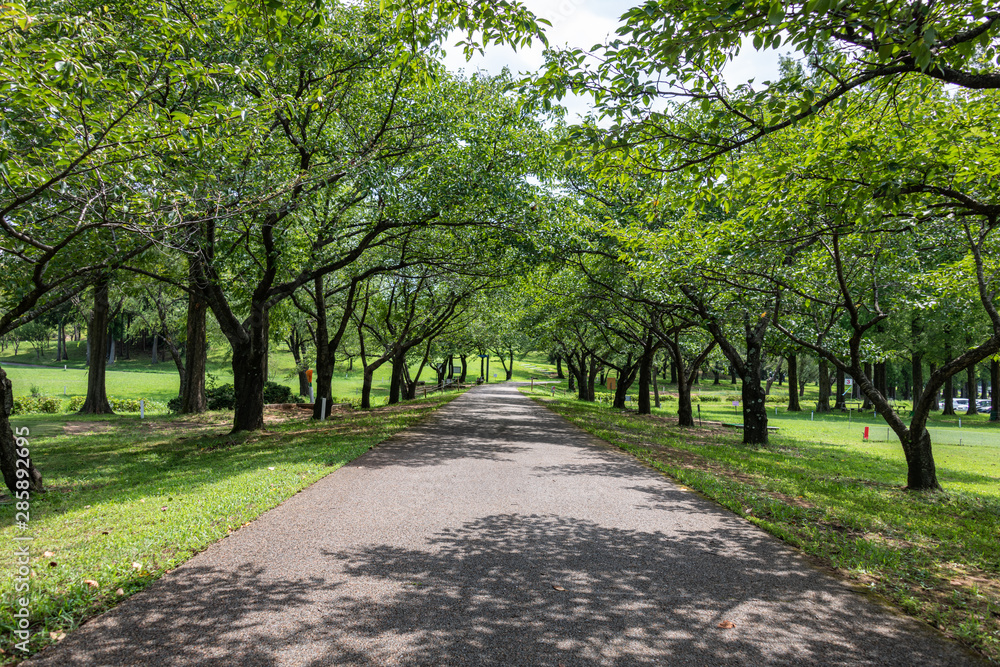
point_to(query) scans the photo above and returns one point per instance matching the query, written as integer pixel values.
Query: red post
(866, 432)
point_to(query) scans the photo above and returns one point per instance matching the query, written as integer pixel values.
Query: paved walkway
(497, 534)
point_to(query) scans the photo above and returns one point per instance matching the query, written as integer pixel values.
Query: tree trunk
(793, 384)
(934, 406)
(823, 405)
(994, 383)
(323, 373)
(867, 405)
(249, 372)
(839, 401)
(881, 378)
(22, 481)
(626, 376)
(464, 358)
(970, 383)
(396, 379)
(754, 407)
(96, 402)
(673, 373)
(193, 399)
(581, 379)
(559, 369)
(656, 385)
(949, 394)
(366, 389)
(595, 366)
(510, 369)
(155, 358)
(917, 370)
(921, 473)
(645, 370)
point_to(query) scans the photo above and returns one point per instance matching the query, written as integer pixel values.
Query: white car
(983, 405)
(958, 404)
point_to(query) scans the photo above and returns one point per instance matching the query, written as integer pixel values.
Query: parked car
(984, 405)
(959, 404)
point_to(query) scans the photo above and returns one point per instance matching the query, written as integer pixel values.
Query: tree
(675, 50)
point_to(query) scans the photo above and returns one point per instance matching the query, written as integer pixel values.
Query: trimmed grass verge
(933, 556)
(128, 501)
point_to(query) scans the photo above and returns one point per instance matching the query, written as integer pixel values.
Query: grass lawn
(138, 378)
(130, 500)
(821, 488)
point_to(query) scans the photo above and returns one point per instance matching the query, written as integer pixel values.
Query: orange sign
(309, 376)
(612, 384)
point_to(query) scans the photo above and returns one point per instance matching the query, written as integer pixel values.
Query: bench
(740, 426)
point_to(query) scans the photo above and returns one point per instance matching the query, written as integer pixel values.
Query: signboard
(848, 382)
(612, 384)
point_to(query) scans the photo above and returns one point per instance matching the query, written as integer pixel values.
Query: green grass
(129, 500)
(139, 378)
(820, 487)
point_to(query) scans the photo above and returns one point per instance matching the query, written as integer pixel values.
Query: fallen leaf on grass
(91, 583)
(48, 554)
(56, 636)
(558, 588)
(120, 592)
(137, 565)
(163, 509)
(727, 625)
(52, 563)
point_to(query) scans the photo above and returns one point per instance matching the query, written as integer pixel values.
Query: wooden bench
(740, 426)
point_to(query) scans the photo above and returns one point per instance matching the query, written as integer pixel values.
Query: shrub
(353, 401)
(222, 397)
(174, 404)
(279, 393)
(76, 403)
(24, 405)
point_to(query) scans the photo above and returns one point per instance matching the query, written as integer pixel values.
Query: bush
(279, 393)
(222, 397)
(76, 403)
(174, 404)
(353, 401)
(24, 405)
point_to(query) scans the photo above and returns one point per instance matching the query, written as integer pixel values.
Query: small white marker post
(311, 399)
(322, 409)
(64, 366)
(812, 416)
(142, 409)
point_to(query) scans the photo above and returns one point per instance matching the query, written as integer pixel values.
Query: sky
(584, 23)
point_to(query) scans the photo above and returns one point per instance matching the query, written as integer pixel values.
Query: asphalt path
(496, 533)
